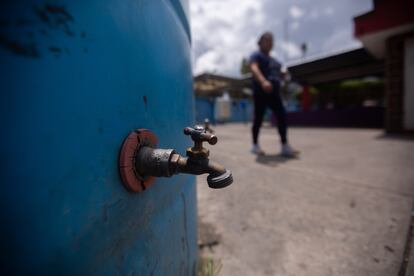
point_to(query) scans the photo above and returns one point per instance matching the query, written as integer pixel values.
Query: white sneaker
(288, 151)
(257, 150)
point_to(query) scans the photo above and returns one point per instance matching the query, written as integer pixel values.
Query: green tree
(244, 68)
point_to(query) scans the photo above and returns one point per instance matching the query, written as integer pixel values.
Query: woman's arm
(257, 74)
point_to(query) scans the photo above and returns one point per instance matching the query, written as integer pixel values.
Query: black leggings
(263, 100)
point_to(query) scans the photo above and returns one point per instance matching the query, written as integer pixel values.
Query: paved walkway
(343, 208)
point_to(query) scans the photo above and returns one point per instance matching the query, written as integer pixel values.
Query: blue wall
(204, 109)
(241, 110)
(76, 77)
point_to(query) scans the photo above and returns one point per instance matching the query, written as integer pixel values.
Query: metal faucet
(150, 161)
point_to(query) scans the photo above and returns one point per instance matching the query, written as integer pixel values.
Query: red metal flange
(130, 178)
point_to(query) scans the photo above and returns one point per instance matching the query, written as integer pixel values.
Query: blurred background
(344, 207)
(105, 106)
(338, 55)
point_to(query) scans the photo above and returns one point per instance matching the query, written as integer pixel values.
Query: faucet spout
(219, 177)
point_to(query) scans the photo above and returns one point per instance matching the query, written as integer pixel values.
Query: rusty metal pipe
(153, 162)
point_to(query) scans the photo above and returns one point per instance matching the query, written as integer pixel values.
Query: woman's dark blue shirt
(269, 67)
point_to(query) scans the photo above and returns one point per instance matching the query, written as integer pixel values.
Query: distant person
(266, 85)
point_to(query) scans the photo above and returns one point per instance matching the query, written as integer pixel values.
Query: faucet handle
(198, 135)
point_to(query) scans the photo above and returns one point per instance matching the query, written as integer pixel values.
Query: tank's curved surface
(76, 77)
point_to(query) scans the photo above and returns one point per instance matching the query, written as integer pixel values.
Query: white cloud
(294, 26)
(296, 12)
(208, 62)
(291, 49)
(314, 14)
(328, 11)
(342, 39)
(224, 32)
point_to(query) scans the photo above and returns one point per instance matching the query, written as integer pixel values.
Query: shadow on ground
(207, 236)
(404, 136)
(273, 159)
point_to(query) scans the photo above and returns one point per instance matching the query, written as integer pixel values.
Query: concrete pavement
(343, 208)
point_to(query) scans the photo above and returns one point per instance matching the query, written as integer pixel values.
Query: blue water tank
(76, 77)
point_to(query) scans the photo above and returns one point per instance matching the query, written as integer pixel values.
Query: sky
(226, 31)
